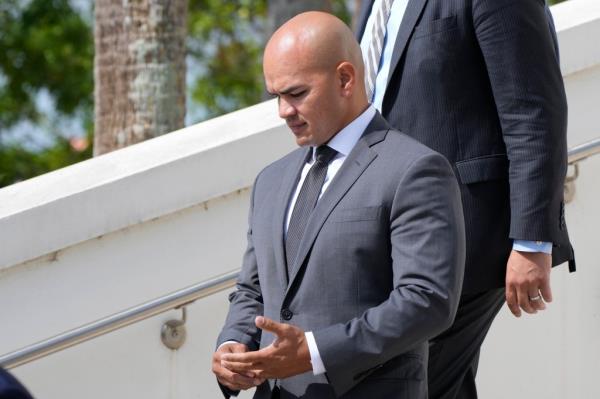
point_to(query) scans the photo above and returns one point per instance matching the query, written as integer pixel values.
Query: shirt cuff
(227, 342)
(315, 357)
(533, 246)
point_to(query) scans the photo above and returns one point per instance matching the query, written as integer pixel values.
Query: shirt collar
(345, 140)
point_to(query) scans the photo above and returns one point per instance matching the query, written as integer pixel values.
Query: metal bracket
(173, 332)
(569, 188)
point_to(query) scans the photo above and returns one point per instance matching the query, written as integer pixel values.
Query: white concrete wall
(101, 236)
(93, 239)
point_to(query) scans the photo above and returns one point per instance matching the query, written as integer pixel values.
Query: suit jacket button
(286, 314)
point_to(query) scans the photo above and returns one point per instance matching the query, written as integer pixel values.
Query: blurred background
(47, 48)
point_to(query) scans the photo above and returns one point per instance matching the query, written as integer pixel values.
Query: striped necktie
(306, 202)
(382, 14)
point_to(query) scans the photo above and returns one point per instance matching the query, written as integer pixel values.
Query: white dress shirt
(343, 142)
(392, 28)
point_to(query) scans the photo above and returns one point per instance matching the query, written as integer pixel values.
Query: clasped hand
(287, 356)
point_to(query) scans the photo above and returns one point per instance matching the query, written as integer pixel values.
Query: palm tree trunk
(139, 70)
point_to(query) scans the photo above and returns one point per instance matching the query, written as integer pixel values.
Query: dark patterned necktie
(306, 202)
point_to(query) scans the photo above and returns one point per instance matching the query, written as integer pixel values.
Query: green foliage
(227, 40)
(45, 45)
(341, 10)
(17, 163)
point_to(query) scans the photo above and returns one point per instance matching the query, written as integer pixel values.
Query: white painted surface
(103, 276)
(104, 235)
(93, 239)
(555, 354)
(576, 22)
(111, 192)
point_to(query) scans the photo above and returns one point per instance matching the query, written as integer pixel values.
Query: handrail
(132, 315)
(172, 301)
(583, 151)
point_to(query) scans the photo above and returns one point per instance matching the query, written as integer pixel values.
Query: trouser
(454, 354)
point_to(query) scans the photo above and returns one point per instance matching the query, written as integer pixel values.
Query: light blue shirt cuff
(315, 357)
(533, 246)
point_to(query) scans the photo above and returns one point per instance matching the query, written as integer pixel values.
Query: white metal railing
(173, 300)
(583, 151)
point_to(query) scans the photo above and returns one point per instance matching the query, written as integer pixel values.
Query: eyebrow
(286, 91)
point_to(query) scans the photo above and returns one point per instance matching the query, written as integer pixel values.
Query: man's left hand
(287, 356)
(528, 281)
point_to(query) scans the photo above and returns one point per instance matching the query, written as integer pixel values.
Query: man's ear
(346, 77)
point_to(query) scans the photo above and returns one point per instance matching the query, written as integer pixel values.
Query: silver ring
(535, 298)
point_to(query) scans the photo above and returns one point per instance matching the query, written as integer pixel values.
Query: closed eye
(298, 94)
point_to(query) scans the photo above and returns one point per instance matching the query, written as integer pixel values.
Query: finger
(511, 301)
(234, 380)
(247, 357)
(238, 387)
(267, 324)
(240, 367)
(237, 379)
(231, 385)
(246, 382)
(220, 370)
(258, 371)
(523, 300)
(259, 381)
(239, 348)
(535, 299)
(546, 291)
(231, 347)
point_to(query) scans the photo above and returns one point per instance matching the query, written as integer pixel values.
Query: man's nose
(286, 109)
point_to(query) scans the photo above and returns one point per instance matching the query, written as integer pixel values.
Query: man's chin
(303, 141)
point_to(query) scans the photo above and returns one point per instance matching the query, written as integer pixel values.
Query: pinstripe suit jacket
(479, 82)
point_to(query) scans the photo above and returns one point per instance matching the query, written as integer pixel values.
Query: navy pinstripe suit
(479, 82)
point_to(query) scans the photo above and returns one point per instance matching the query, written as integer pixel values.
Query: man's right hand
(231, 380)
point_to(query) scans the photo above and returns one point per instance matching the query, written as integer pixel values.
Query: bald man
(355, 254)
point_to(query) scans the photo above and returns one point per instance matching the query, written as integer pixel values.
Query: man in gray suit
(355, 254)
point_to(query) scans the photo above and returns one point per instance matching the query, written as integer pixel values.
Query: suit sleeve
(246, 301)
(428, 252)
(520, 52)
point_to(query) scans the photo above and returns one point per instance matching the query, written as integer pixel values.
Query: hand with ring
(528, 282)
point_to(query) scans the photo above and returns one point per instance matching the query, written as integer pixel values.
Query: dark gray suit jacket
(479, 82)
(378, 273)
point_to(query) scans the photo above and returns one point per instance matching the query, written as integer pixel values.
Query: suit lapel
(355, 164)
(290, 178)
(409, 20)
